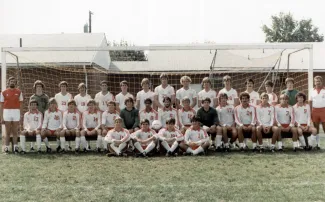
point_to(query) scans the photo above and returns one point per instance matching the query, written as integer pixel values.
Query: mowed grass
(235, 176)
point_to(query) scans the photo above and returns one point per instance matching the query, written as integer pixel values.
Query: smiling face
(82, 90)
(104, 87)
(71, 107)
(12, 83)
(289, 85)
(244, 101)
(164, 81)
(145, 126)
(283, 100)
(318, 83)
(265, 100)
(33, 106)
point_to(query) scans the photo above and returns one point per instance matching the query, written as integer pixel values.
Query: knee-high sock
(318, 139)
(122, 146)
(218, 140)
(62, 141)
(138, 146)
(198, 150)
(38, 141)
(84, 142)
(32, 144)
(165, 145)
(99, 141)
(46, 141)
(302, 141)
(150, 147)
(174, 146)
(116, 149)
(78, 140)
(23, 142)
(105, 143)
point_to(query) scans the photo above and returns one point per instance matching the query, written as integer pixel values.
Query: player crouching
(145, 139)
(117, 139)
(196, 140)
(52, 123)
(170, 137)
(32, 126)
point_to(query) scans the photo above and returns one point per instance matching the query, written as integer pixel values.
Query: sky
(143, 22)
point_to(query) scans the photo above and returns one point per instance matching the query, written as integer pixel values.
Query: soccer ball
(156, 125)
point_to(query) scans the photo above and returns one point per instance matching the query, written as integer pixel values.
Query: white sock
(62, 141)
(23, 142)
(227, 145)
(198, 150)
(302, 140)
(78, 140)
(318, 140)
(165, 145)
(58, 142)
(174, 146)
(138, 146)
(272, 146)
(117, 151)
(241, 145)
(189, 150)
(279, 144)
(104, 143)
(32, 144)
(261, 145)
(254, 145)
(218, 140)
(38, 141)
(312, 140)
(245, 141)
(150, 147)
(15, 146)
(99, 141)
(83, 142)
(295, 144)
(122, 146)
(46, 141)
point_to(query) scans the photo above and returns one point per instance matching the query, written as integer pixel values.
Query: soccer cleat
(317, 147)
(22, 152)
(219, 149)
(58, 149)
(76, 151)
(123, 154)
(175, 154)
(6, 150)
(308, 148)
(105, 151)
(227, 149)
(48, 150)
(255, 149)
(85, 150)
(295, 149)
(62, 151)
(39, 151)
(261, 150)
(110, 154)
(242, 149)
(16, 150)
(98, 150)
(32, 149)
(168, 154)
(280, 150)
(212, 147)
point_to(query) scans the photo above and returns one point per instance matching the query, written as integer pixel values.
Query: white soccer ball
(156, 125)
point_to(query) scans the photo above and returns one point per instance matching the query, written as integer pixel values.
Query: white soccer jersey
(108, 118)
(190, 93)
(164, 114)
(52, 120)
(33, 121)
(120, 98)
(71, 120)
(284, 115)
(164, 92)
(272, 98)
(143, 135)
(245, 116)
(232, 95)
(185, 117)
(81, 102)
(151, 116)
(265, 115)
(62, 101)
(122, 135)
(164, 133)
(253, 98)
(192, 135)
(318, 98)
(142, 96)
(302, 114)
(212, 94)
(103, 99)
(91, 120)
(226, 115)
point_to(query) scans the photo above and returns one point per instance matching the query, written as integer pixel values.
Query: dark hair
(33, 101)
(243, 94)
(72, 101)
(289, 80)
(104, 82)
(170, 121)
(269, 83)
(148, 100)
(63, 83)
(111, 103)
(195, 118)
(223, 95)
(144, 121)
(124, 83)
(129, 99)
(91, 101)
(206, 99)
(167, 98)
(249, 80)
(163, 75)
(301, 94)
(38, 82)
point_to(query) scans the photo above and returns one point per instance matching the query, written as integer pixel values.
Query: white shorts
(11, 114)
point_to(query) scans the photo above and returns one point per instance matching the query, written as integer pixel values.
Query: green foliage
(126, 55)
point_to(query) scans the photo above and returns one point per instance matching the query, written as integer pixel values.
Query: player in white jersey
(82, 98)
(285, 119)
(145, 139)
(317, 106)
(167, 112)
(144, 94)
(164, 90)
(108, 117)
(71, 125)
(196, 139)
(254, 97)
(103, 96)
(302, 118)
(148, 112)
(185, 114)
(245, 118)
(207, 92)
(265, 119)
(122, 96)
(231, 93)
(32, 126)
(52, 124)
(227, 128)
(117, 139)
(63, 96)
(273, 98)
(186, 91)
(170, 137)
(91, 126)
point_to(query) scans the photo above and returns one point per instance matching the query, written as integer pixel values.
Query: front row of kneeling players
(244, 121)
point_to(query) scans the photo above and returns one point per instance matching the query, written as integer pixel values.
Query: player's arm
(137, 102)
(40, 121)
(161, 134)
(276, 116)
(194, 100)
(293, 119)
(98, 122)
(84, 117)
(78, 121)
(127, 136)
(258, 116)
(108, 138)
(272, 116)
(64, 122)
(187, 137)
(237, 118)
(136, 120)
(25, 122)
(205, 139)
(173, 96)
(103, 120)
(216, 118)
(179, 136)
(253, 123)
(21, 106)
(61, 119)
(308, 116)
(45, 121)
(179, 115)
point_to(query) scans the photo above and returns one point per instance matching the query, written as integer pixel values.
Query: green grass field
(235, 176)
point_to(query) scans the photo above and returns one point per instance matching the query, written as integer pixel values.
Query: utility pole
(90, 13)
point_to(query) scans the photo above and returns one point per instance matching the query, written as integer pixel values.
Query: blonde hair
(183, 78)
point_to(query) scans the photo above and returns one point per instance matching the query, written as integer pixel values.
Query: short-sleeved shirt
(232, 95)
(120, 99)
(142, 96)
(11, 98)
(190, 93)
(318, 98)
(210, 94)
(253, 97)
(164, 92)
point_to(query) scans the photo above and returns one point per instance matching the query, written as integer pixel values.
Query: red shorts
(90, 129)
(285, 125)
(304, 125)
(318, 115)
(194, 147)
(108, 128)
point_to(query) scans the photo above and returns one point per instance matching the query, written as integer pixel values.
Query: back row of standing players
(229, 114)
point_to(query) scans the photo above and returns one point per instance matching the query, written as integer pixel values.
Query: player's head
(269, 86)
(289, 83)
(196, 121)
(185, 81)
(145, 83)
(206, 102)
(129, 102)
(145, 124)
(63, 85)
(111, 105)
(91, 104)
(249, 83)
(53, 104)
(186, 101)
(284, 99)
(227, 80)
(33, 104)
(12, 82)
(124, 86)
(301, 97)
(104, 86)
(82, 87)
(38, 85)
(223, 98)
(244, 98)
(206, 82)
(118, 122)
(167, 101)
(72, 105)
(164, 78)
(170, 123)
(318, 81)
(264, 98)
(148, 103)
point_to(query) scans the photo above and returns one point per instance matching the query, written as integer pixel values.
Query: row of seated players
(243, 121)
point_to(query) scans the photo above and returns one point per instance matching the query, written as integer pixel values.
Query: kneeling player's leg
(150, 147)
(201, 148)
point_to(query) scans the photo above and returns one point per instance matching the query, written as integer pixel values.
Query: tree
(286, 29)
(126, 55)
